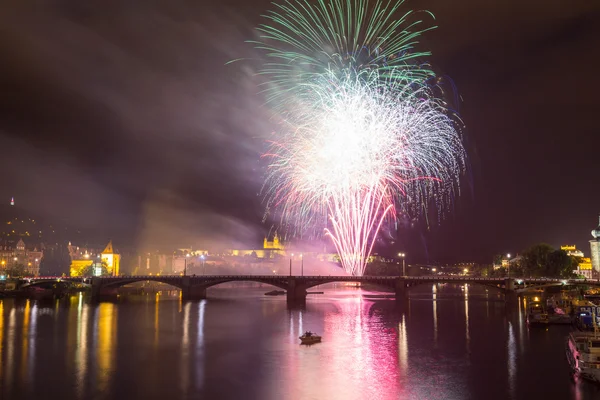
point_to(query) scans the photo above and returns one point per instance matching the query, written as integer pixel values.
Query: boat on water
(558, 316)
(310, 338)
(583, 354)
(275, 293)
(536, 315)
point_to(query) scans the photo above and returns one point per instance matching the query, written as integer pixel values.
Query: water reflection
(10, 344)
(81, 354)
(1, 335)
(467, 330)
(403, 346)
(512, 359)
(249, 348)
(199, 381)
(156, 327)
(435, 316)
(25, 343)
(32, 344)
(362, 350)
(185, 349)
(106, 333)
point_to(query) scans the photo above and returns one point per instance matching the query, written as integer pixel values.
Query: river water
(445, 342)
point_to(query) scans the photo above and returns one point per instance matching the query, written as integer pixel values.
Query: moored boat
(310, 338)
(583, 354)
(536, 315)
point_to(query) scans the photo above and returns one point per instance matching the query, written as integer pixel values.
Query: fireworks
(362, 132)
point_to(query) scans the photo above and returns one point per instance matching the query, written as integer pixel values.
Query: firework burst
(362, 133)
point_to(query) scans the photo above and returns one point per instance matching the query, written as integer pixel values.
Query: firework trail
(362, 132)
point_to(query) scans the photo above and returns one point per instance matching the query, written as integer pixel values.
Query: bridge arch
(499, 285)
(281, 285)
(115, 284)
(386, 284)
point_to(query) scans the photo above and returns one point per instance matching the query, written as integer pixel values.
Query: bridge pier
(95, 288)
(296, 293)
(510, 294)
(192, 292)
(401, 289)
(195, 292)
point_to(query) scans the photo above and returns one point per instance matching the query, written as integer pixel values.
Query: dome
(596, 232)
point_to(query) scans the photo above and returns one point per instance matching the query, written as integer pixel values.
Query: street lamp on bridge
(185, 264)
(403, 256)
(508, 265)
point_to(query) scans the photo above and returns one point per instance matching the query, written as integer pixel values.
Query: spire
(596, 232)
(109, 248)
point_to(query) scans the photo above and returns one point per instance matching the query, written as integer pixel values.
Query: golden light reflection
(82, 351)
(32, 338)
(467, 332)
(1, 333)
(25, 343)
(156, 320)
(521, 324)
(10, 341)
(105, 346)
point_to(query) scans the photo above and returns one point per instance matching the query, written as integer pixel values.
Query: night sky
(122, 119)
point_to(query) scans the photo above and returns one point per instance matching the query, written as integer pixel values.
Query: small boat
(583, 354)
(275, 293)
(310, 338)
(536, 315)
(558, 316)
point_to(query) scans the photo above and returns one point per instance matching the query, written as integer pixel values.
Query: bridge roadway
(194, 287)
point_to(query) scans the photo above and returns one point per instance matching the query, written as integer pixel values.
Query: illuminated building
(584, 268)
(112, 259)
(18, 254)
(271, 249)
(82, 258)
(571, 250)
(595, 249)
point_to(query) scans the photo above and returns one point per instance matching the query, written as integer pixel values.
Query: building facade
(82, 258)
(17, 256)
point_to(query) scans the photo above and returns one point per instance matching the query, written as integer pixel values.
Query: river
(445, 342)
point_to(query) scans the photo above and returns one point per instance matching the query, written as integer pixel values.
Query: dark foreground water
(445, 343)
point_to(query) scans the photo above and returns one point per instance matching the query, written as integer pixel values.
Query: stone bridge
(194, 287)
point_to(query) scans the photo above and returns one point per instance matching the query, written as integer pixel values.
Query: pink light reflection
(358, 358)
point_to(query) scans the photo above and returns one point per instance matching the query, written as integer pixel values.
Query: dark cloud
(124, 118)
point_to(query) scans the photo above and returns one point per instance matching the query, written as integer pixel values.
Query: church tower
(112, 259)
(595, 249)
